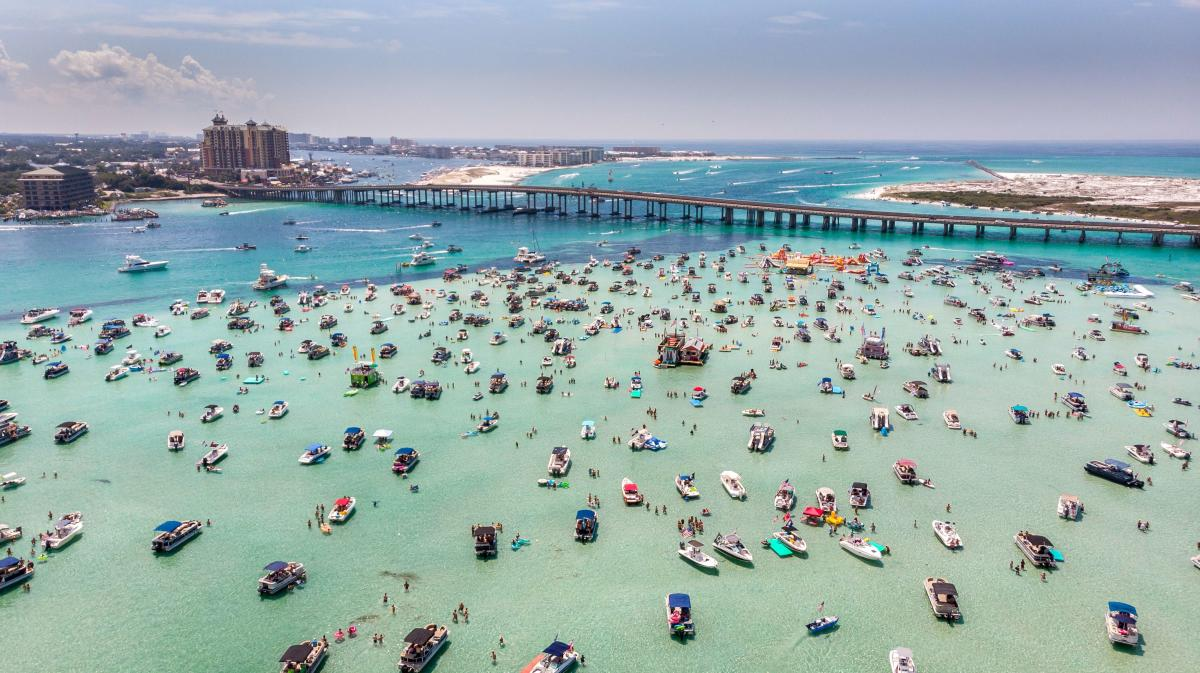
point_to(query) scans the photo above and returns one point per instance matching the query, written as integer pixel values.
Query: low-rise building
(57, 188)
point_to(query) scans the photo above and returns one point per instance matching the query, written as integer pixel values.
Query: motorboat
(1014, 353)
(268, 279)
(587, 430)
(1178, 429)
(216, 453)
(315, 454)
(36, 315)
(185, 375)
(421, 646)
(497, 338)
(686, 487)
(69, 431)
(860, 548)
(679, 615)
(790, 539)
(309, 655)
(586, 525)
(526, 256)
(840, 440)
(1038, 549)
(175, 440)
(161, 331)
(943, 598)
(66, 530)
(785, 497)
(879, 420)
(826, 500)
(10, 480)
(630, 493)
(406, 458)
(822, 624)
(692, 551)
(860, 495)
(1120, 621)
(1075, 402)
(55, 370)
(558, 657)
(1176, 450)
(278, 410)
(731, 545)
(1141, 453)
(353, 438)
(560, 461)
(732, 481)
(917, 389)
(135, 264)
(485, 540)
(1122, 391)
(14, 571)
(762, 436)
(950, 416)
(78, 316)
(174, 534)
(1069, 507)
(401, 385)
(947, 533)
(906, 411)
(281, 575)
(901, 660)
(9, 533)
(343, 509)
(1114, 471)
(753, 412)
(1019, 414)
(905, 470)
(211, 413)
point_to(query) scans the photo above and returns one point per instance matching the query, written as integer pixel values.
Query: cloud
(797, 18)
(112, 69)
(9, 69)
(447, 9)
(242, 36)
(1188, 4)
(255, 19)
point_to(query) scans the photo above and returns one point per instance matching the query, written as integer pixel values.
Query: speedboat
(753, 412)
(785, 497)
(1122, 391)
(9, 533)
(687, 489)
(1176, 450)
(826, 500)
(840, 439)
(1058, 369)
(406, 458)
(175, 440)
(731, 545)
(950, 416)
(135, 264)
(560, 461)
(588, 430)
(36, 315)
(1069, 507)
(1178, 428)
(901, 660)
(1038, 549)
(943, 598)
(732, 481)
(1141, 453)
(161, 331)
(78, 316)
(215, 454)
(70, 431)
(630, 493)
(315, 453)
(278, 410)
(586, 525)
(907, 412)
(211, 413)
(343, 509)
(679, 615)
(860, 495)
(10, 480)
(860, 548)
(692, 552)
(353, 438)
(558, 657)
(1014, 353)
(1114, 471)
(421, 646)
(822, 624)
(174, 534)
(1019, 414)
(1120, 620)
(281, 575)
(65, 531)
(14, 571)
(790, 539)
(401, 385)
(947, 533)
(487, 423)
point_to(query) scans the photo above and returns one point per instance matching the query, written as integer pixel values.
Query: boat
(947, 533)
(268, 279)
(826, 500)
(788, 538)
(78, 316)
(65, 531)
(906, 411)
(762, 436)
(185, 375)
(901, 660)
(943, 598)
(211, 413)
(1122, 391)
(691, 551)
(1069, 507)
(950, 416)
(215, 454)
(343, 509)
(822, 624)
(1141, 453)
(991, 258)
(307, 656)
(316, 453)
(1075, 402)
(732, 481)
(175, 440)
(1038, 549)
(630, 493)
(679, 615)
(731, 545)
(1019, 414)
(785, 497)
(10, 480)
(525, 256)
(840, 440)
(69, 431)
(558, 657)
(586, 525)
(1120, 621)
(485, 540)
(497, 338)
(1178, 429)
(55, 369)
(353, 438)
(281, 575)
(879, 420)
(174, 534)
(1114, 471)
(860, 495)
(905, 470)
(754, 413)
(9, 533)
(278, 410)
(1176, 450)
(1014, 353)
(421, 646)
(686, 487)
(588, 430)
(135, 264)
(560, 461)
(14, 571)
(161, 331)
(917, 389)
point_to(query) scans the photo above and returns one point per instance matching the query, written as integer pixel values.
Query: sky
(626, 70)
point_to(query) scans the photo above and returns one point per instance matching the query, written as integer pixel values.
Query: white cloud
(255, 19)
(797, 18)
(241, 36)
(9, 69)
(112, 69)
(449, 9)
(1189, 4)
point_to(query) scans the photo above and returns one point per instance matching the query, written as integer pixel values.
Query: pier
(526, 200)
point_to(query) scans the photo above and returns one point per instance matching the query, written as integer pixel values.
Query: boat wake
(687, 172)
(565, 176)
(789, 171)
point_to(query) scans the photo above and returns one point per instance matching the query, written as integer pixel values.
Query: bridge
(596, 203)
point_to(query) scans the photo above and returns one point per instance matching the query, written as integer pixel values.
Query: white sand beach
(1101, 189)
(481, 175)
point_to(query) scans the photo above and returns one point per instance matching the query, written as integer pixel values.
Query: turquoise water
(198, 609)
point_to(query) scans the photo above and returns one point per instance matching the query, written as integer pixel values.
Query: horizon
(607, 69)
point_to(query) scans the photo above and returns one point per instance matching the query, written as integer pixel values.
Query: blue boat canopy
(223, 356)
(275, 565)
(1074, 394)
(9, 562)
(1020, 407)
(1116, 606)
(557, 648)
(1116, 463)
(679, 601)
(353, 430)
(54, 364)
(585, 514)
(388, 344)
(280, 402)
(559, 450)
(589, 422)
(315, 447)
(168, 526)
(405, 451)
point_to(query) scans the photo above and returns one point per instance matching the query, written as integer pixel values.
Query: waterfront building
(638, 150)
(59, 187)
(547, 157)
(231, 148)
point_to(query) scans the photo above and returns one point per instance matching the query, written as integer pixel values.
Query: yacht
(135, 264)
(69, 432)
(943, 598)
(36, 315)
(281, 575)
(731, 545)
(174, 534)
(991, 258)
(315, 454)
(1114, 471)
(343, 509)
(860, 548)
(78, 316)
(268, 279)
(1120, 620)
(65, 531)
(14, 571)
(558, 657)
(560, 461)
(421, 258)
(421, 646)
(785, 497)
(1069, 507)
(947, 533)
(732, 481)
(860, 495)
(901, 660)
(686, 487)
(1038, 549)
(525, 256)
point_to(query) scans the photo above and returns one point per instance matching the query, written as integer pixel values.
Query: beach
(492, 174)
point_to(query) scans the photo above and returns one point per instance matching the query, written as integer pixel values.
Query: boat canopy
(224, 356)
(419, 637)
(685, 477)
(353, 430)
(585, 514)
(275, 565)
(168, 526)
(54, 364)
(315, 447)
(631, 487)
(388, 343)
(481, 531)
(858, 485)
(1120, 465)
(813, 511)
(10, 561)
(557, 648)
(405, 451)
(907, 462)
(1080, 395)
(826, 379)
(297, 653)
(589, 423)
(684, 601)
(498, 375)
(944, 589)
(1021, 408)
(383, 434)
(695, 544)
(1040, 540)
(341, 502)
(559, 450)
(840, 433)
(1116, 606)
(280, 402)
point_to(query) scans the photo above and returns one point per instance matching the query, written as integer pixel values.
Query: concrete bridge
(596, 203)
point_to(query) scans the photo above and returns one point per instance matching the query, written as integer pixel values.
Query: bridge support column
(727, 215)
(945, 229)
(699, 213)
(1046, 237)
(979, 231)
(1157, 239)
(778, 218)
(687, 212)
(807, 220)
(1119, 233)
(1083, 235)
(760, 217)
(791, 220)
(1012, 233)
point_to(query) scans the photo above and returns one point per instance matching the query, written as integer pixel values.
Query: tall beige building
(228, 148)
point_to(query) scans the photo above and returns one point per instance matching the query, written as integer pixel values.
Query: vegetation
(1167, 212)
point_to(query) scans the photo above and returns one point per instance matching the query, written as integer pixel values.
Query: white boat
(785, 497)
(901, 660)
(281, 575)
(11, 480)
(950, 416)
(731, 545)
(692, 552)
(135, 264)
(174, 534)
(268, 279)
(116, 373)
(560, 461)
(906, 411)
(860, 548)
(14, 571)
(78, 316)
(343, 509)
(525, 256)
(754, 413)
(732, 481)
(826, 500)
(211, 413)
(630, 493)
(161, 331)
(216, 452)
(401, 385)
(1120, 621)
(216, 296)
(314, 454)
(1141, 453)
(840, 440)
(175, 440)
(587, 430)
(65, 531)
(498, 338)
(791, 540)
(278, 410)
(1069, 507)
(558, 657)
(1058, 369)
(947, 533)
(879, 419)
(9, 533)
(472, 367)
(36, 315)
(1176, 450)
(686, 487)
(421, 646)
